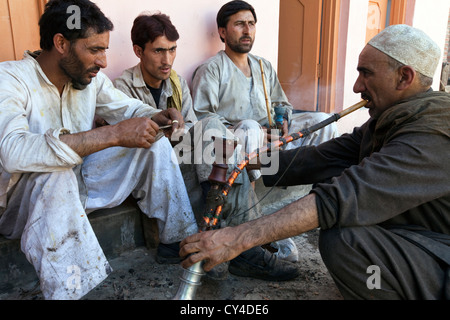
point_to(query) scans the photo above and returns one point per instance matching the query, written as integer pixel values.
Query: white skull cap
(409, 46)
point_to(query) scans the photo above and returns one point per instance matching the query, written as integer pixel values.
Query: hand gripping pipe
(191, 277)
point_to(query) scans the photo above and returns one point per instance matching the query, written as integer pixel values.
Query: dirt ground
(136, 276)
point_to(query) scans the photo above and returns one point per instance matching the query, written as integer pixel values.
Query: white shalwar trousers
(251, 135)
(46, 211)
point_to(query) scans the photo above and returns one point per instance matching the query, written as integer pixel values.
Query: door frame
(328, 56)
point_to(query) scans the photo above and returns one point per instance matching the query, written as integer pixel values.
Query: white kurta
(46, 189)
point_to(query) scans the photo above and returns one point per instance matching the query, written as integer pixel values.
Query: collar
(138, 77)
(31, 57)
(138, 80)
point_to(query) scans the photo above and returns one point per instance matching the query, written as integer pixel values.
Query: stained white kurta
(46, 189)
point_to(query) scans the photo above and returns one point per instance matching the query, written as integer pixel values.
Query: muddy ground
(137, 276)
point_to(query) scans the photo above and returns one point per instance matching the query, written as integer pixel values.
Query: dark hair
(230, 8)
(149, 27)
(56, 17)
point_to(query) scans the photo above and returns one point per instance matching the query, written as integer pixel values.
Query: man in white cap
(381, 195)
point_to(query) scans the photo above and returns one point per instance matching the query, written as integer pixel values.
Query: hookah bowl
(280, 110)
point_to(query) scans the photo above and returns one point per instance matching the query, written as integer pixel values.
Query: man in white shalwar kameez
(54, 168)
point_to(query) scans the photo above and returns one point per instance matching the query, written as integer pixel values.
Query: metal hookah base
(190, 281)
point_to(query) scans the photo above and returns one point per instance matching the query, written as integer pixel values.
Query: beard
(240, 48)
(74, 68)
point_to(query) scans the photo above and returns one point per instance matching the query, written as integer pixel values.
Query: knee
(248, 124)
(320, 116)
(339, 246)
(249, 131)
(53, 178)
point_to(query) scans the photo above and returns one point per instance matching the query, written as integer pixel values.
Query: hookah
(221, 185)
(191, 278)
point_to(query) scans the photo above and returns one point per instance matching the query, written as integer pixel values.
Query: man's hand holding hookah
(217, 246)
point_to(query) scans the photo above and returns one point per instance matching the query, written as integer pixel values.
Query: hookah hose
(212, 216)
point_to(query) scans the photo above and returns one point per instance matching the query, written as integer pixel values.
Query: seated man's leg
(374, 263)
(251, 137)
(152, 176)
(197, 153)
(241, 205)
(56, 236)
(304, 120)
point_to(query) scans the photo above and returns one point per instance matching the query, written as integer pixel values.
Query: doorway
(307, 52)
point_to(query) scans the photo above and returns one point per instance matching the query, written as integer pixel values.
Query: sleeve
(113, 105)
(187, 107)
(21, 150)
(314, 164)
(205, 92)
(406, 173)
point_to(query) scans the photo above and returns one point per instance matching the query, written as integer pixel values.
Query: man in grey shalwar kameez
(228, 93)
(230, 87)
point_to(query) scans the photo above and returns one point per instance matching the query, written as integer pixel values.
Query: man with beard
(382, 194)
(55, 169)
(228, 91)
(229, 87)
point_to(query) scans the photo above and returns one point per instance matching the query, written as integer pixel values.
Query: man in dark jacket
(381, 195)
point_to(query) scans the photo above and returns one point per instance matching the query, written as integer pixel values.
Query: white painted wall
(432, 18)
(356, 40)
(195, 21)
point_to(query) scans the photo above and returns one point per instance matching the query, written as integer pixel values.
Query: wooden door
(376, 19)
(19, 27)
(299, 51)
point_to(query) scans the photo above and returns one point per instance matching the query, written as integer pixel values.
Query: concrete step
(118, 230)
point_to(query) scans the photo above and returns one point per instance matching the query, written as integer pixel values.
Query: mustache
(246, 38)
(366, 97)
(94, 69)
